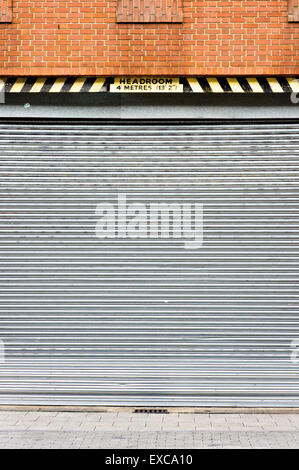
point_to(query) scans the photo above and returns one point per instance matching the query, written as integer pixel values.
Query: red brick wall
(81, 37)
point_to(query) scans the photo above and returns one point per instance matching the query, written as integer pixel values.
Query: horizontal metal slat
(70, 301)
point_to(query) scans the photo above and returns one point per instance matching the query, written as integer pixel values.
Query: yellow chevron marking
(58, 84)
(195, 86)
(98, 85)
(274, 85)
(78, 85)
(294, 83)
(235, 85)
(38, 85)
(215, 85)
(254, 85)
(18, 85)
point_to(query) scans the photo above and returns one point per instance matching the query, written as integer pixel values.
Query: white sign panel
(146, 85)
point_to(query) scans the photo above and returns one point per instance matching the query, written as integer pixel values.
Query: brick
(221, 37)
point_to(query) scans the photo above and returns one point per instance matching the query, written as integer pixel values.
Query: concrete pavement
(127, 430)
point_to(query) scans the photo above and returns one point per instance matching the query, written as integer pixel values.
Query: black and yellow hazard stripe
(285, 84)
(54, 84)
(244, 84)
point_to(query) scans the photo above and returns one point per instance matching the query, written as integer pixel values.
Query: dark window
(149, 11)
(293, 10)
(5, 11)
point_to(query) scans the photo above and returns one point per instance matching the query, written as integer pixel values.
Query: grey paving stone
(33, 430)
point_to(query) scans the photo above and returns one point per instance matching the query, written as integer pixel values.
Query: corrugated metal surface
(87, 321)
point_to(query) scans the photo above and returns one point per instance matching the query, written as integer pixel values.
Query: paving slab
(126, 430)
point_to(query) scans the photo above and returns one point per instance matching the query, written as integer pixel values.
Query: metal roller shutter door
(146, 322)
